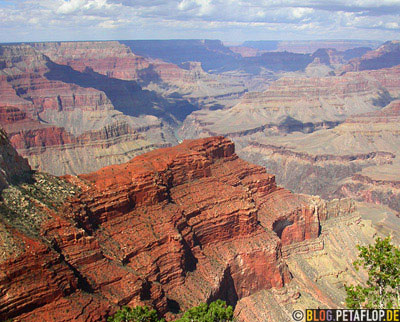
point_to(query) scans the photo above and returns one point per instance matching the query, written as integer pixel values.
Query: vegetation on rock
(136, 314)
(217, 311)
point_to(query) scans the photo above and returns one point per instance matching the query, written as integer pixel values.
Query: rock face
(116, 60)
(108, 58)
(299, 104)
(386, 56)
(46, 107)
(170, 228)
(12, 165)
(333, 136)
(358, 158)
(73, 107)
(379, 183)
(319, 269)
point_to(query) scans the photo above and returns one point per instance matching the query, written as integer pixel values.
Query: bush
(136, 314)
(382, 290)
(217, 311)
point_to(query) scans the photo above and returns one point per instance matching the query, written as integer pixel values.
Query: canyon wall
(386, 56)
(170, 228)
(334, 136)
(298, 104)
(73, 107)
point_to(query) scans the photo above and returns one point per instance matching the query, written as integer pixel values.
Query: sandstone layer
(13, 166)
(298, 104)
(171, 228)
(334, 136)
(115, 60)
(358, 158)
(73, 107)
(387, 55)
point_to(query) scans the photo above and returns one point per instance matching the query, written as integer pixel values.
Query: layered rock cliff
(299, 104)
(387, 55)
(47, 106)
(358, 158)
(116, 60)
(91, 104)
(319, 135)
(171, 228)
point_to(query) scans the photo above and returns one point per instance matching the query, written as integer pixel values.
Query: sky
(227, 20)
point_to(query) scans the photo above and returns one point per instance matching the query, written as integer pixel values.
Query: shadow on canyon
(127, 96)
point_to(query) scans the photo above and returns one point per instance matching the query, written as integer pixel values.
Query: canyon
(171, 228)
(332, 136)
(74, 107)
(173, 172)
(85, 105)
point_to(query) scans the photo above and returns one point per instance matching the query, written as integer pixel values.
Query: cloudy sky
(229, 20)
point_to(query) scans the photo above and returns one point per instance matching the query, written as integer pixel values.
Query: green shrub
(217, 311)
(136, 314)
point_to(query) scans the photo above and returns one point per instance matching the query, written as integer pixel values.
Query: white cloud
(187, 5)
(200, 19)
(86, 6)
(71, 6)
(301, 12)
(392, 25)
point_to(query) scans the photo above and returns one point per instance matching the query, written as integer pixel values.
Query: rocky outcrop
(373, 190)
(386, 56)
(108, 58)
(170, 228)
(67, 93)
(58, 151)
(24, 69)
(65, 120)
(116, 60)
(319, 268)
(315, 133)
(310, 172)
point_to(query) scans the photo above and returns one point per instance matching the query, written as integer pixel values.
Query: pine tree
(382, 290)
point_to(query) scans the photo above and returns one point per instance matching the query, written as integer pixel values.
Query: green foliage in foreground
(382, 290)
(216, 311)
(136, 314)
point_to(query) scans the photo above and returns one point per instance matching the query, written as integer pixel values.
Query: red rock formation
(108, 58)
(188, 224)
(33, 92)
(24, 132)
(115, 60)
